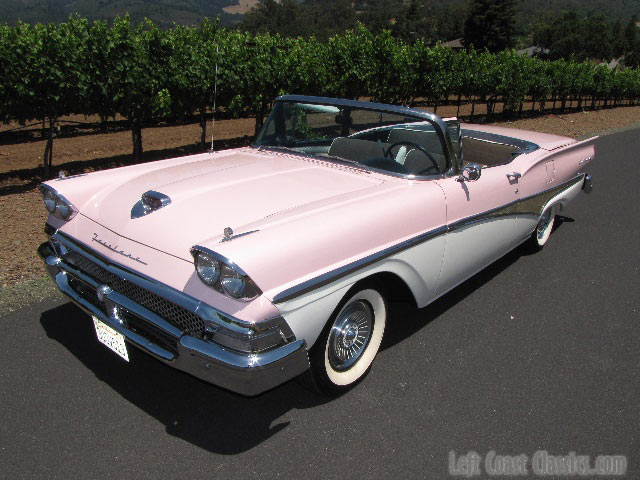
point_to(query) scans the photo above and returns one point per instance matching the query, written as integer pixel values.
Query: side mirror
(471, 173)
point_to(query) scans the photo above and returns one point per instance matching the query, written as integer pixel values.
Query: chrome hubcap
(350, 335)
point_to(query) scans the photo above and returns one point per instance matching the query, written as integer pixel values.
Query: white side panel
(473, 247)
(418, 266)
(566, 196)
(527, 223)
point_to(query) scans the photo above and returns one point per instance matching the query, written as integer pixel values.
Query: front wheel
(349, 343)
(541, 234)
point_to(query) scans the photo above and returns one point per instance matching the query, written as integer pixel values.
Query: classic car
(251, 266)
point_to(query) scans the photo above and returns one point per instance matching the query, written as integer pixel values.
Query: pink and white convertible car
(251, 266)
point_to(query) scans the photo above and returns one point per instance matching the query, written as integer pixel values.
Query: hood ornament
(228, 234)
(150, 202)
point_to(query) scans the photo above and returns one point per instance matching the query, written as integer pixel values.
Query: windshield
(386, 141)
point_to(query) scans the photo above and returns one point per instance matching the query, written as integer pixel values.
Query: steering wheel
(389, 152)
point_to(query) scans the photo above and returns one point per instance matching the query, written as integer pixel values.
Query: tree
(631, 34)
(597, 42)
(490, 24)
(582, 38)
(192, 68)
(617, 39)
(323, 19)
(271, 16)
(135, 84)
(349, 63)
(632, 44)
(53, 84)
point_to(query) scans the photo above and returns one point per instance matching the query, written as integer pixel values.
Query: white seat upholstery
(416, 161)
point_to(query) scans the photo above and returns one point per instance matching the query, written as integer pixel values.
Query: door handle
(514, 175)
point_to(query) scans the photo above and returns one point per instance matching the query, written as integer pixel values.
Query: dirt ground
(79, 148)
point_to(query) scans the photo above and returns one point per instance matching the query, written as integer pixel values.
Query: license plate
(112, 339)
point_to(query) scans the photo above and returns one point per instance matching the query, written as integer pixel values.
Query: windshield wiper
(331, 157)
(349, 161)
(279, 147)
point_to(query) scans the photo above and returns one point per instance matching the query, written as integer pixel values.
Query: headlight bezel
(56, 204)
(228, 271)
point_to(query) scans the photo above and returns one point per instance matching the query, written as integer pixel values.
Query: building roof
(457, 43)
(533, 51)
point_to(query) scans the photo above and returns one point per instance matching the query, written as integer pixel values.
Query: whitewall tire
(540, 236)
(349, 342)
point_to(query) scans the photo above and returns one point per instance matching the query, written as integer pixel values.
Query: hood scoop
(149, 203)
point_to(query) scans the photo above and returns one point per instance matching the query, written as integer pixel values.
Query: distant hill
(166, 12)
(162, 12)
(243, 6)
(530, 10)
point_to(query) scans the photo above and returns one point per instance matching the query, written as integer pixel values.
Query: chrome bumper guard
(244, 373)
(587, 186)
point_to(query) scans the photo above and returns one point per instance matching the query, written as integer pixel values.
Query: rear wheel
(541, 234)
(343, 354)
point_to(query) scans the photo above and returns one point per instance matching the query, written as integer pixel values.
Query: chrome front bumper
(243, 373)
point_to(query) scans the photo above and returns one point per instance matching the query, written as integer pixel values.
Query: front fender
(418, 267)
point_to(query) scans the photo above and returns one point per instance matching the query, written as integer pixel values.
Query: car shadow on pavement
(409, 319)
(202, 414)
(414, 319)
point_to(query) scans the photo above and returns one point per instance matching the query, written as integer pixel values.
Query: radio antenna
(215, 96)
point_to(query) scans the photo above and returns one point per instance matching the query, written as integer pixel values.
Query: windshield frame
(438, 124)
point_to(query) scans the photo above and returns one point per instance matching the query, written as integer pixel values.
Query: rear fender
(556, 168)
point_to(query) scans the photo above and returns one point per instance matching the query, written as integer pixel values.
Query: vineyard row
(145, 74)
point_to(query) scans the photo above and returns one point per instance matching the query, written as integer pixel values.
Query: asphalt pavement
(536, 353)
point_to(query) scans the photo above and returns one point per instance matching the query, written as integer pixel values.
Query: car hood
(244, 189)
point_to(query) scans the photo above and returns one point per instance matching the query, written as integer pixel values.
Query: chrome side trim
(326, 278)
(530, 205)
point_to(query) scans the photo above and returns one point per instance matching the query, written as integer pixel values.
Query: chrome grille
(178, 316)
(148, 331)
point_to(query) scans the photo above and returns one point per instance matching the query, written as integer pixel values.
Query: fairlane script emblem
(115, 249)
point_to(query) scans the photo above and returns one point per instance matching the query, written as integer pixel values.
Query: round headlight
(49, 199)
(208, 268)
(64, 210)
(232, 282)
